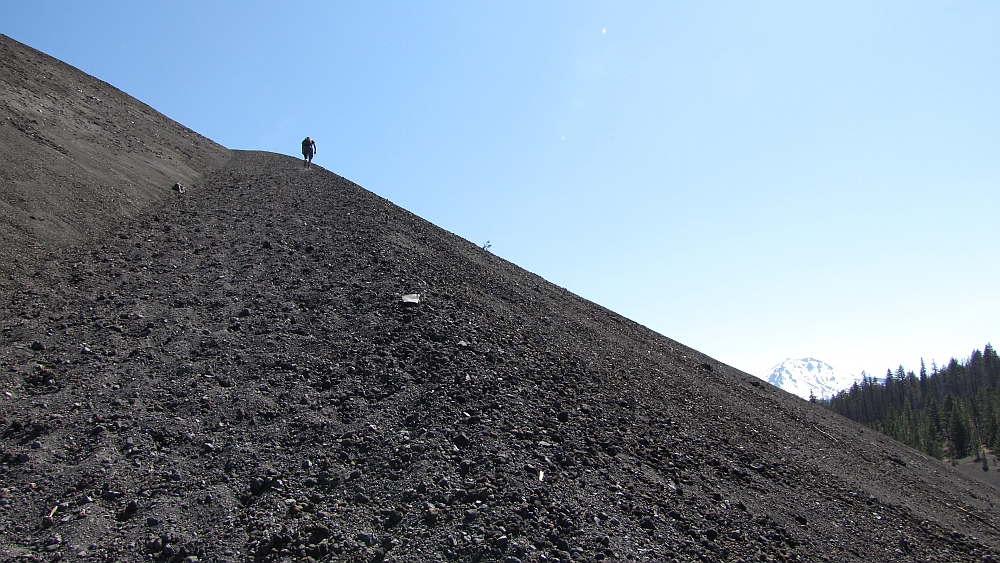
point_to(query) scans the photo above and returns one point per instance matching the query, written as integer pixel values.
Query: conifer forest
(950, 413)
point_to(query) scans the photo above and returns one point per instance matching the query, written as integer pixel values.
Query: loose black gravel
(229, 372)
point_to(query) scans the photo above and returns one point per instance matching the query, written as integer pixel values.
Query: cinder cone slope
(233, 374)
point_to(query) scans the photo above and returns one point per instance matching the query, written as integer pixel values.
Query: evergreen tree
(930, 441)
(958, 430)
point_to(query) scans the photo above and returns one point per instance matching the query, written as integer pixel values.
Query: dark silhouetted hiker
(308, 150)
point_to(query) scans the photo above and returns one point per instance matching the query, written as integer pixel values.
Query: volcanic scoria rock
(204, 348)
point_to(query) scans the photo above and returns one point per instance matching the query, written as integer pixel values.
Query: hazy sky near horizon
(757, 180)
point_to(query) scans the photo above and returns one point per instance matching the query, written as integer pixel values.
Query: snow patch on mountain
(807, 376)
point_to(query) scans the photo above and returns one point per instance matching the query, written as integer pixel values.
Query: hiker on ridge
(308, 150)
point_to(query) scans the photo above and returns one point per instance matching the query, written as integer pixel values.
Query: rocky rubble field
(235, 375)
(232, 373)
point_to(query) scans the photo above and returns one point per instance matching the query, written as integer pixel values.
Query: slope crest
(80, 155)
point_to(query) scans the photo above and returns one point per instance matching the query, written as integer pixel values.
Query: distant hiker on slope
(308, 150)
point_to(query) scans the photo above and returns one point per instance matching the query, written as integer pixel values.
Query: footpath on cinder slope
(233, 375)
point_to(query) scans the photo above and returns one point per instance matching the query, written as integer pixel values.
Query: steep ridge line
(80, 156)
(231, 374)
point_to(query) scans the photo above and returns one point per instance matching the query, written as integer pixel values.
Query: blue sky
(756, 180)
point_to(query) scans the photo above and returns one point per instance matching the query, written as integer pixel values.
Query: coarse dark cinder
(229, 372)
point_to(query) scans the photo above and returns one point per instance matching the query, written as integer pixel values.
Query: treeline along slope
(950, 412)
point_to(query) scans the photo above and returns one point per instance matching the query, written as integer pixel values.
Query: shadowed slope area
(232, 374)
(79, 155)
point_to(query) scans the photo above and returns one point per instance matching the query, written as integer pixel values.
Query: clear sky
(758, 180)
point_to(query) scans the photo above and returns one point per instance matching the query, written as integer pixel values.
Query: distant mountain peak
(805, 376)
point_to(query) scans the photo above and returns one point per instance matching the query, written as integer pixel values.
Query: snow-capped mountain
(809, 375)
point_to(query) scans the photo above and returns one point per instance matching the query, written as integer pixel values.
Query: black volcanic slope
(77, 155)
(231, 374)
